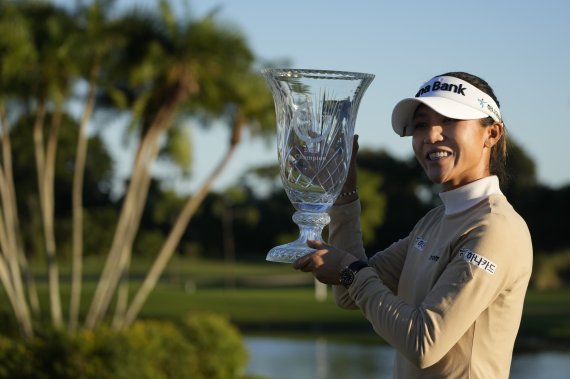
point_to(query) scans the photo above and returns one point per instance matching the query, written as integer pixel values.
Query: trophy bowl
(316, 113)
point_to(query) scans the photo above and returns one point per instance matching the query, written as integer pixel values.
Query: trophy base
(310, 225)
(289, 252)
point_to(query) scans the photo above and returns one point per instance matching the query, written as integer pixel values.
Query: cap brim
(403, 112)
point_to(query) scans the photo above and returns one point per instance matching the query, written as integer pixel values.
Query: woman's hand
(325, 263)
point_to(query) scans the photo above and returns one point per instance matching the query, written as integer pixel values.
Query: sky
(522, 48)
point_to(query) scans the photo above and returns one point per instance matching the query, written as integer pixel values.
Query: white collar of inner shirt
(464, 197)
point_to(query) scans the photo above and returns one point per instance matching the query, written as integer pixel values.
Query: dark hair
(499, 151)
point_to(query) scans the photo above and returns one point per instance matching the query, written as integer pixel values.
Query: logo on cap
(439, 86)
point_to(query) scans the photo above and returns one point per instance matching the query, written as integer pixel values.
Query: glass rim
(315, 73)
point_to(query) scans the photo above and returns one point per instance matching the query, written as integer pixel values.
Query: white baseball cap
(448, 96)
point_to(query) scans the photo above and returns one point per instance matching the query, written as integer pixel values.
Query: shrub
(220, 349)
(202, 347)
(157, 350)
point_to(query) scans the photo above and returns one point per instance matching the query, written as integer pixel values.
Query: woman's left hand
(325, 263)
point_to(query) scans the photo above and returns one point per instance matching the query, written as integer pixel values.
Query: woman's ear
(494, 134)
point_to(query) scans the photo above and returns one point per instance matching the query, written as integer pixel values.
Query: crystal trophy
(316, 112)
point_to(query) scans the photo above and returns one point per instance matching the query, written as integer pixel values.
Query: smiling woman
(449, 296)
(466, 99)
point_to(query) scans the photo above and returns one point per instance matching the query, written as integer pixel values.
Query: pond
(282, 358)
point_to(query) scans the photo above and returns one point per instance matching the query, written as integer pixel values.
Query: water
(282, 358)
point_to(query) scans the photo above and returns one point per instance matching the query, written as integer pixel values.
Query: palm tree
(195, 66)
(94, 45)
(251, 108)
(54, 72)
(159, 70)
(16, 44)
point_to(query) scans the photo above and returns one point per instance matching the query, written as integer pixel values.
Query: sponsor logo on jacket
(420, 243)
(478, 260)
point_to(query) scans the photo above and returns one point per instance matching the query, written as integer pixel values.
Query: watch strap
(348, 273)
(357, 266)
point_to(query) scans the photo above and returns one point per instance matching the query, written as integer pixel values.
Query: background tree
(38, 75)
(93, 45)
(156, 68)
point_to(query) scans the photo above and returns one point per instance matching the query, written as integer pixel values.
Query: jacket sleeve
(465, 288)
(389, 263)
(345, 234)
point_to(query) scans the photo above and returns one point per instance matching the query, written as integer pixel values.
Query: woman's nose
(434, 133)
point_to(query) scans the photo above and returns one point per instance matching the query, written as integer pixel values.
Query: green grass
(546, 316)
(272, 298)
(250, 305)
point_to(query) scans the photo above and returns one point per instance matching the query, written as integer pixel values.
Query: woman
(449, 296)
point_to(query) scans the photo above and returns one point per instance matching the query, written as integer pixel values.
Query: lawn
(546, 316)
(266, 297)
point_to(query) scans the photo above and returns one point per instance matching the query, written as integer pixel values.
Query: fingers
(311, 261)
(324, 263)
(316, 244)
(303, 263)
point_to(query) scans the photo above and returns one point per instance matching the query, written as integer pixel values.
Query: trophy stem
(310, 228)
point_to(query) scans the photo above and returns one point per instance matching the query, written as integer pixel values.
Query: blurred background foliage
(156, 72)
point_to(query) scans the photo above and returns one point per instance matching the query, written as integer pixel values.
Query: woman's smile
(438, 155)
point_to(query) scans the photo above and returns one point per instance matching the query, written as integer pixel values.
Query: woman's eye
(447, 120)
(419, 125)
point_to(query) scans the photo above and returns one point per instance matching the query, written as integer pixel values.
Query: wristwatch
(348, 273)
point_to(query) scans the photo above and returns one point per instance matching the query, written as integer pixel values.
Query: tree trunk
(10, 274)
(13, 257)
(48, 207)
(123, 291)
(132, 211)
(124, 235)
(45, 180)
(177, 231)
(228, 240)
(77, 205)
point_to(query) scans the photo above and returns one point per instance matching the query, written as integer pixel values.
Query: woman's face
(451, 152)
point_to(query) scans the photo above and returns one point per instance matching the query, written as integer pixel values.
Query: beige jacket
(449, 296)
